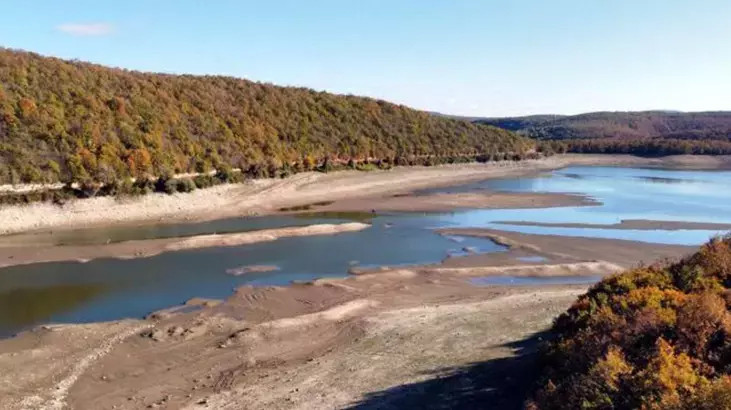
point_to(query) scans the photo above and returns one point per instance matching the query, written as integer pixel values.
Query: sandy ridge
(265, 235)
(548, 270)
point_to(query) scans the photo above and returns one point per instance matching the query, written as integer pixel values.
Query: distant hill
(647, 133)
(73, 121)
(623, 125)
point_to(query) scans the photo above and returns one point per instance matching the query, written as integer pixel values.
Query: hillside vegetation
(72, 121)
(642, 133)
(623, 125)
(655, 337)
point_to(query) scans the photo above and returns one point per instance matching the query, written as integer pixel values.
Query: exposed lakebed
(107, 289)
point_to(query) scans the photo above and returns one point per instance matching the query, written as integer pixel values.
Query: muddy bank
(268, 195)
(275, 347)
(563, 249)
(449, 202)
(266, 235)
(636, 224)
(19, 255)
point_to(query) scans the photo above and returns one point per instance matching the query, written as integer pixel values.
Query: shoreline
(267, 344)
(327, 343)
(138, 249)
(635, 224)
(273, 346)
(267, 196)
(564, 249)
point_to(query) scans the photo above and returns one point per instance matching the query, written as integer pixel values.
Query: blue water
(624, 193)
(108, 289)
(531, 259)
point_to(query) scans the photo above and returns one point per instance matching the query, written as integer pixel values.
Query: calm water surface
(108, 289)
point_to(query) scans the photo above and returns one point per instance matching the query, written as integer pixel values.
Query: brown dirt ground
(413, 337)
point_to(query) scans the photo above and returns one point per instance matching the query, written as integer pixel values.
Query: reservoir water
(108, 289)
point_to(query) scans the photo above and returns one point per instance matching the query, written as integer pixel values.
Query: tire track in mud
(59, 392)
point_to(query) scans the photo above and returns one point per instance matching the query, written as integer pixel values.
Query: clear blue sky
(486, 58)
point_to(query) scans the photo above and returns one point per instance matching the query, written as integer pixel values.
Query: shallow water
(104, 235)
(531, 259)
(624, 193)
(108, 289)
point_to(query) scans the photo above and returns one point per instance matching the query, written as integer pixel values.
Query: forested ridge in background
(73, 121)
(656, 337)
(643, 133)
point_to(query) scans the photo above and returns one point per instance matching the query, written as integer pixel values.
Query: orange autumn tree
(655, 337)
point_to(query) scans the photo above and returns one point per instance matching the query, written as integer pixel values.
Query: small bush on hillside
(185, 185)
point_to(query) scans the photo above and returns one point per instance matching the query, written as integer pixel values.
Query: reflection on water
(108, 289)
(104, 235)
(665, 180)
(27, 306)
(573, 176)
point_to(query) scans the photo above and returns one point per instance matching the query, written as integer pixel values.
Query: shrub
(185, 185)
(652, 337)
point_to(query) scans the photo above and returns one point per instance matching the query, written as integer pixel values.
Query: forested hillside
(623, 125)
(73, 121)
(640, 133)
(656, 337)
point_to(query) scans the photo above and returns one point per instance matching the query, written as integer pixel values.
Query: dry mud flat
(346, 340)
(267, 196)
(447, 202)
(397, 338)
(563, 249)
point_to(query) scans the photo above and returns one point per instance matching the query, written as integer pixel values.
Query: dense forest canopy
(621, 125)
(649, 133)
(656, 337)
(73, 121)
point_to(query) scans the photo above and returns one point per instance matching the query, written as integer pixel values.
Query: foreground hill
(73, 121)
(654, 337)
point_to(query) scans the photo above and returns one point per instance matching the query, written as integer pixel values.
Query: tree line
(647, 147)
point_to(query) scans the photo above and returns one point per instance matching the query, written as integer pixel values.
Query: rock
(176, 331)
(155, 334)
